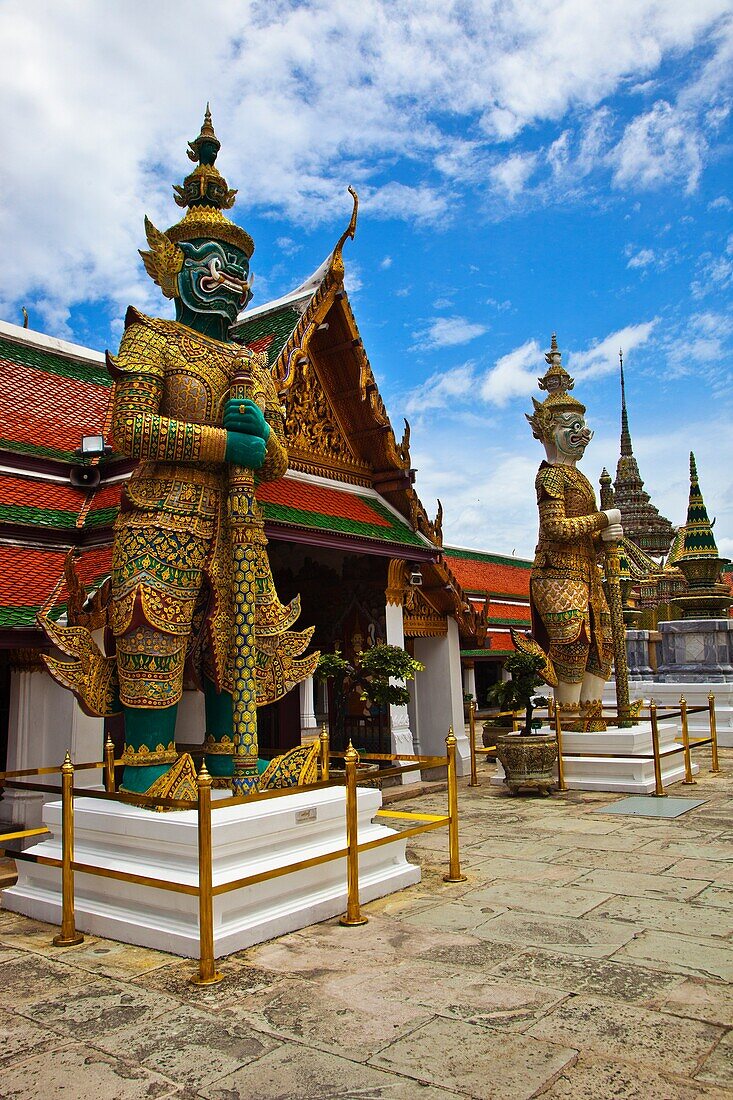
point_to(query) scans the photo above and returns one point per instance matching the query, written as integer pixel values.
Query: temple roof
(642, 523)
(698, 540)
(500, 587)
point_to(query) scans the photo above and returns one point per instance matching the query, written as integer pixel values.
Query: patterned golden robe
(171, 571)
(570, 617)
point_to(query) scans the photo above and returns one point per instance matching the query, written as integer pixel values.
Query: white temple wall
(45, 721)
(439, 696)
(399, 716)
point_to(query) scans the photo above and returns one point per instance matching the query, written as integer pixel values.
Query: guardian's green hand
(245, 450)
(245, 416)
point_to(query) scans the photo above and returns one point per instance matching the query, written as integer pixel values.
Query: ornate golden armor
(570, 613)
(171, 574)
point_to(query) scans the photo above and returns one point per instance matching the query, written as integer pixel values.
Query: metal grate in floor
(649, 806)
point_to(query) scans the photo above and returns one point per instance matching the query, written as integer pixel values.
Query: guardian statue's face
(214, 278)
(570, 434)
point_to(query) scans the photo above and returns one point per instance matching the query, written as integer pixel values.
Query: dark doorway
(278, 725)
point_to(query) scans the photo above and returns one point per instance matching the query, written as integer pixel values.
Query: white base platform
(246, 840)
(668, 695)
(626, 774)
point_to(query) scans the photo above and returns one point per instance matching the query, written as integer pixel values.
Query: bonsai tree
(518, 693)
(373, 673)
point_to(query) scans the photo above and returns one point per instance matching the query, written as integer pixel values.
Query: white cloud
(308, 97)
(642, 258)
(721, 203)
(514, 375)
(511, 175)
(442, 388)
(447, 332)
(601, 357)
(658, 147)
(386, 263)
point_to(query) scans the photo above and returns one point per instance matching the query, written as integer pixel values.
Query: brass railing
(656, 755)
(205, 890)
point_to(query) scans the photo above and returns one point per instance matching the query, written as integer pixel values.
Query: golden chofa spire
(205, 186)
(556, 379)
(205, 147)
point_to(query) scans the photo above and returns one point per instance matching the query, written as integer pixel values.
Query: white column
(439, 696)
(308, 723)
(45, 721)
(399, 718)
(469, 681)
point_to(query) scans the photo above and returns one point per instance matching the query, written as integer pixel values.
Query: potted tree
(528, 756)
(373, 673)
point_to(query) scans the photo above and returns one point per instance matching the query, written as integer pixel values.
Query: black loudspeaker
(84, 477)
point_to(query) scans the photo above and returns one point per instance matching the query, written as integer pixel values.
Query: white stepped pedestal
(246, 840)
(626, 773)
(668, 695)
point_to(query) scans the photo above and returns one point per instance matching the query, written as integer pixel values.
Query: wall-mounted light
(92, 446)
(416, 576)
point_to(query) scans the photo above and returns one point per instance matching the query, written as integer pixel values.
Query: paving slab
(598, 1079)
(581, 936)
(81, 1071)
(626, 1033)
(561, 901)
(28, 978)
(239, 983)
(714, 871)
(718, 1067)
(22, 1037)
(720, 897)
(632, 883)
(699, 999)
(96, 1007)
(526, 870)
(189, 1046)
(477, 1061)
(329, 1015)
(669, 916)
(295, 1071)
(578, 974)
(683, 954)
(586, 859)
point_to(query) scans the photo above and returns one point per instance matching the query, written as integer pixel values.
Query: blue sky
(523, 168)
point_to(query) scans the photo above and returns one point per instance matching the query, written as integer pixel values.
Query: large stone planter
(528, 762)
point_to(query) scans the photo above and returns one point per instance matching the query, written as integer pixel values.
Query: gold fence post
(688, 780)
(659, 791)
(207, 973)
(109, 765)
(353, 915)
(714, 764)
(68, 936)
(472, 738)
(324, 739)
(561, 784)
(454, 867)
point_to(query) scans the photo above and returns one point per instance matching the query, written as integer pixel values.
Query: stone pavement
(586, 956)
